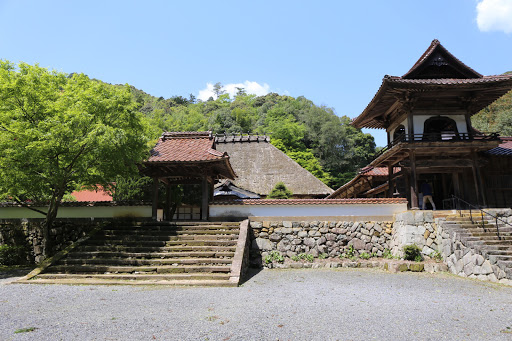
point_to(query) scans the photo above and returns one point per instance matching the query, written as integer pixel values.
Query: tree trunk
(48, 223)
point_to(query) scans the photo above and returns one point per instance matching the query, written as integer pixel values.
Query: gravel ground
(305, 304)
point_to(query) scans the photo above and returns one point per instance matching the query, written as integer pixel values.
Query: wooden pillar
(468, 125)
(410, 126)
(390, 181)
(167, 208)
(413, 181)
(456, 184)
(154, 207)
(204, 198)
(477, 176)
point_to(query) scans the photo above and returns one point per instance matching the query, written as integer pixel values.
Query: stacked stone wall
(467, 257)
(415, 227)
(331, 238)
(29, 234)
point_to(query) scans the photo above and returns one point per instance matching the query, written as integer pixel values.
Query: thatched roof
(260, 166)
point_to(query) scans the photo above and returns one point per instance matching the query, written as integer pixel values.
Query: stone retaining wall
(468, 258)
(414, 227)
(28, 234)
(328, 238)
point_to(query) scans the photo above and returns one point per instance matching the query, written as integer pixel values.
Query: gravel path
(326, 304)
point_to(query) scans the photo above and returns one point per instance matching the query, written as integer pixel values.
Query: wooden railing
(447, 137)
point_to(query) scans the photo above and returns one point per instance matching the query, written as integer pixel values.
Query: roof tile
(355, 201)
(185, 147)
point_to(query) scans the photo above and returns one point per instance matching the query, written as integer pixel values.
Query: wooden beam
(413, 181)
(390, 180)
(167, 207)
(204, 198)
(154, 205)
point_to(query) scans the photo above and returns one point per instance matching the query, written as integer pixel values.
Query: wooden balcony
(454, 148)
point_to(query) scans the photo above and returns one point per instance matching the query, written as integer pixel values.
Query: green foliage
(387, 254)
(497, 117)
(412, 252)
(280, 192)
(24, 330)
(13, 255)
(304, 256)
(274, 256)
(313, 136)
(323, 255)
(365, 255)
(349, 252)
(59, 133)
(437, 256)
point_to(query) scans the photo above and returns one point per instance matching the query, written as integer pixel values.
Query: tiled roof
(92, 195)
(504, 149)
(378, 171)
(185, 147)
(449, 81)
(436, 44)
(356, 201)
(470, 80)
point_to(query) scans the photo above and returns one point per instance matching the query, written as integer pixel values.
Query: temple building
(427, 116)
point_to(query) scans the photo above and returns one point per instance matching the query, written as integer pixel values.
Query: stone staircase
(193, 253)
(497, 249)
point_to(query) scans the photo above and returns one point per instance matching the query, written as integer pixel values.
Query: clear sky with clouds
(332, 52)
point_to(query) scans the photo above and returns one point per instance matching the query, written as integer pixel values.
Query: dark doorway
(440, 128)
(399, 133)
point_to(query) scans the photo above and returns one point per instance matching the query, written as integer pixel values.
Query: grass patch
(25, 330)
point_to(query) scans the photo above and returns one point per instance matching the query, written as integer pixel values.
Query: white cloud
(494, 15)
(250, 87)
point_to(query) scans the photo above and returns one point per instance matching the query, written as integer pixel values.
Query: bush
(412, 252)
(365, 255)
(12, 255)
(280, 192)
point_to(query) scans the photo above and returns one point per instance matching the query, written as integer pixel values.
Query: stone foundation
(319, 238)
(28, 234)
(414, 227)
(468, 258)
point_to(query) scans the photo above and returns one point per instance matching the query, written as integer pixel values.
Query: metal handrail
(482, 212)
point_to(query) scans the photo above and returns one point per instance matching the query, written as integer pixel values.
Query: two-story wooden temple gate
(427, 115)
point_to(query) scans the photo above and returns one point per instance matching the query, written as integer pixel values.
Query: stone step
(163, 229)
(156, 243)
(137, 234)
(121, 239)
(498, 242)
(143, 262)
(157, 277)
(135, 249)
(176, 254)
(138, 269)
(161, 241)
(99, 281)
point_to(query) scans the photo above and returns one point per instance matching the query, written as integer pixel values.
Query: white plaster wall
(419, 122)
(221, 211)
(79, 212)
(404, 123)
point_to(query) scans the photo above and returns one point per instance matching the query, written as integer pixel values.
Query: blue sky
(332, 52)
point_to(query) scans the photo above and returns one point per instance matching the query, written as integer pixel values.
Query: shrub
(412, 252)
(364, 255)
(280, 192)
(12, 255)
(323, 255)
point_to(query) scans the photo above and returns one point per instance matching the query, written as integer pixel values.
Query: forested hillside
(312, 135)
(497, 117)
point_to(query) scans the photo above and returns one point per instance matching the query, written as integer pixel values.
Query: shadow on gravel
(251, 272)
(6, 273)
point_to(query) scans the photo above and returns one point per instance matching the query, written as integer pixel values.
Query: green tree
(61, 133)
(280, 192)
